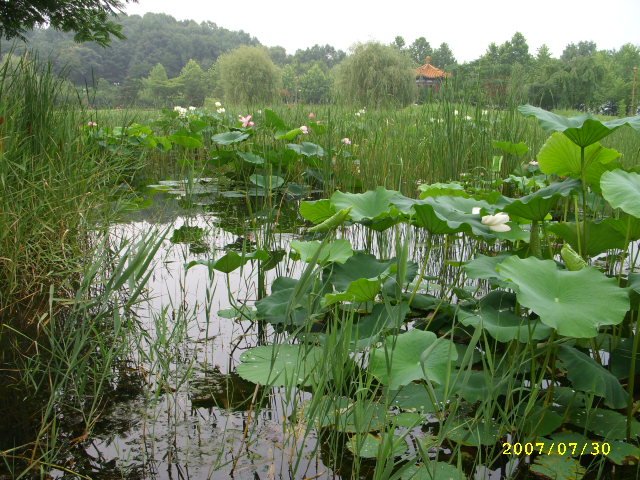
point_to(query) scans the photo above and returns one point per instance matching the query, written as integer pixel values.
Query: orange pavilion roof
(429, 71)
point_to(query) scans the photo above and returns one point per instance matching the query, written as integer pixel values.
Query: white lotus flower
(497, 222)
(218, 104)
(475, 210)
(221, 110)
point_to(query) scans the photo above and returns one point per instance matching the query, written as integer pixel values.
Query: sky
(468, 26)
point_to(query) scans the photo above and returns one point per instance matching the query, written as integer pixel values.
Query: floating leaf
(558, 467)
(415, 397)
(410, 356)
(432, 471)
(251, 158)
(622, 190)
(589, 376)
(607, 424)
(307, 149)
(368, 445)
(268, 182)
(229, 138)
(570, 302)
(282, 365)
(347, 415)
(473, 433)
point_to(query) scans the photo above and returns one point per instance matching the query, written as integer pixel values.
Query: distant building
(429, 76)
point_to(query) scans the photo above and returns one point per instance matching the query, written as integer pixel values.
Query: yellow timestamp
(556, 448)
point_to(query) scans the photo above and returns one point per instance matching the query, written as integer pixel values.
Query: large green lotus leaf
(251, 158)
(317, 211)
(332, 222)
(484, 267)
(582, 130)
(496, 315)
(622, 190)
(558, 467)
(473, 433)
(359, 291)
(432, 471)
(452, 189)
(517, 149)
(608, 424)
(410, 356)
(570, 302)
(537, 205)
(279, 307)
(601, 236)
(229, 138)
(267, 181)
(369, 205)
(415, 397)
(307, 149)
(562, 157)
(282, 365)
(447, 214)
(338, 251)
(589, 376)
(346, 415)
(271, 119)
(368, 445)
(360, 265)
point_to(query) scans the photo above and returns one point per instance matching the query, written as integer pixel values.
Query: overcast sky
(468, 26)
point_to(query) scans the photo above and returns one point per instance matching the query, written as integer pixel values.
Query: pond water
(178, 409)
(181, 411)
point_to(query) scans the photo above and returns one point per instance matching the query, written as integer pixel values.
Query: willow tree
(248, 76)
(376, 75)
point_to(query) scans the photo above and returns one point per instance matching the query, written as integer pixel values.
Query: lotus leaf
(622, 190)
(558, 467)
(338, 251)
(570, 302)
(368, 445)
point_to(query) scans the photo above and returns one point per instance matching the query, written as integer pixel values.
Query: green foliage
(248, 76)
(376, 75)
(193, 84)
(90, 20)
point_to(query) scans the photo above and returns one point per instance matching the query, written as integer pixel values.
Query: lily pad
(558, 467)
(307, 149)
(368, 445)
(282, 365)
(432, 471)
(251, 158)
(570, 302)
(229, 138)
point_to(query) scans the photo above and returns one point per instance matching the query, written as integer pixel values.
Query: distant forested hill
(152, 39)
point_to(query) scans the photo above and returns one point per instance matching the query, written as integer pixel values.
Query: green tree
(193, 83)
(442, 56)
(248, 76)
(157, 88)
(398, 42)
(376, 75)
(91, 20)
(315, 85)
(419, 50)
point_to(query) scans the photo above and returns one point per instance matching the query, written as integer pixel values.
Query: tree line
(164, 61)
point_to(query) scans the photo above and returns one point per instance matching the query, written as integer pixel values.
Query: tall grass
(55, 186)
